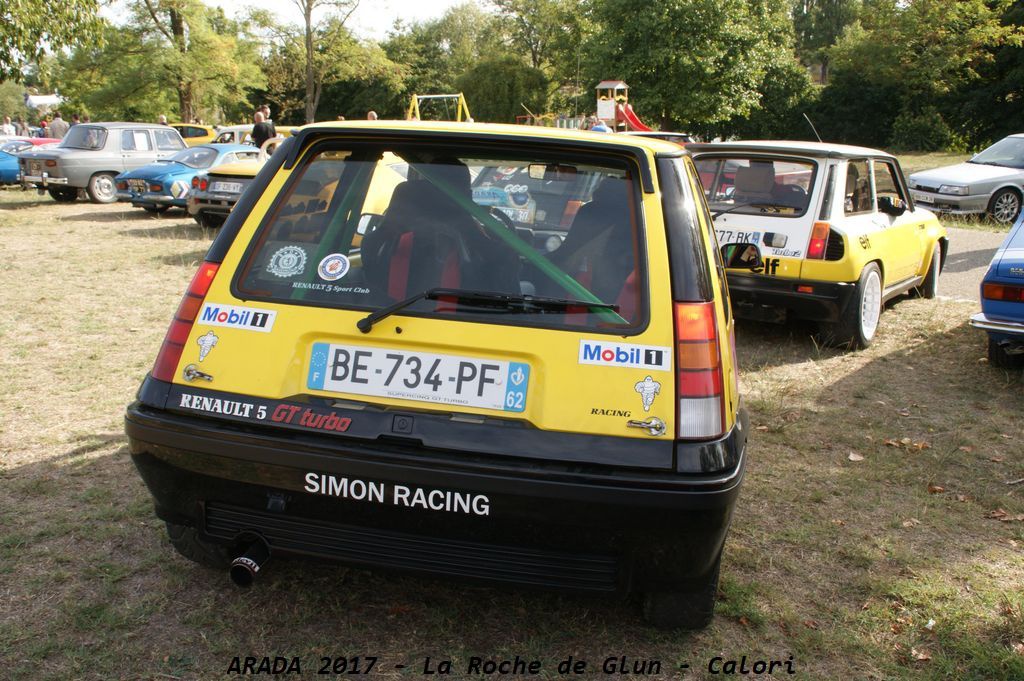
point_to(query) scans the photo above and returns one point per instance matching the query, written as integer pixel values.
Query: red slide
(626, 114)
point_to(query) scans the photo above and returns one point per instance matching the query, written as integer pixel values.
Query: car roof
(817, 149)
(123, 124)
(234, 128)
(503, 129)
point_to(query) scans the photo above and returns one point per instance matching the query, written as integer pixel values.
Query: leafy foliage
(912, 55)
(499, 88)
(174, 57)
(689, 62)
(28, 29)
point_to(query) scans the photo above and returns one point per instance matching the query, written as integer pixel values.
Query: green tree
(191, 53)
(499, 88)
(992, 106)
(337, 56)
(818, 25)
(28, 29)
(139, 72)
(689, 63)
(436, 53)
(919, 53)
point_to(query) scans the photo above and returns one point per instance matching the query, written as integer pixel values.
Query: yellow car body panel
(193, 139)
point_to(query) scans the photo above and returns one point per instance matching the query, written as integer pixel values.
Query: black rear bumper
(825, 302)
(559, 525)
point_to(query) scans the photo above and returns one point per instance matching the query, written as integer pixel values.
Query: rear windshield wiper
(505, 300)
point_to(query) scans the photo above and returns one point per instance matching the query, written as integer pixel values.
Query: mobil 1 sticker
(236, 317)
(420, 376)
(612, 354)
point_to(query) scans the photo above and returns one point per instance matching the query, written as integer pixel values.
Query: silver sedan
(991, 183)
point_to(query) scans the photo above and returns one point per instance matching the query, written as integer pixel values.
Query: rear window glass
(197, 157)
(84, 137)
(757, 186)
(168, 140)
(551, 241)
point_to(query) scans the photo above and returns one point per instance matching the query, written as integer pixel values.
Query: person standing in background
(7, 128)
(59, 127)
(261, 129)
(74, 120)
(371, 115)
(265, 110)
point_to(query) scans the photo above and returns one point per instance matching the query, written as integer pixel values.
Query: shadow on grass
(27, 204)
(187, 230)
(113, 216)
(864, 511)
(762, 345)
(190, 259)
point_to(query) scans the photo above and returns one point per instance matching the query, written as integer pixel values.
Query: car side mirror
(742, 256)
(890, 205)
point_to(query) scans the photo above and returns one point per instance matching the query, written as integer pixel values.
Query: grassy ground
(863, 543)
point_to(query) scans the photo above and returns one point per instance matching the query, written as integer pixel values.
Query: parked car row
(92, 156)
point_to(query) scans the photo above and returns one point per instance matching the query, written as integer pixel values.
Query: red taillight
(51, 164)
(203, 184)
(155, 187)
(122, 185)
(699, 368)
(1012, 294)
(181, 326)
(195, 182)
(819, 239)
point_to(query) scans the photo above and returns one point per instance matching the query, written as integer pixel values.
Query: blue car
(1002, 302)
(166, 183)
(9, 160)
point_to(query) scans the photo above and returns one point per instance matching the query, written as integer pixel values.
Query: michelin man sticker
(206, 344)
(333, 267)
(648, 389)
(287, 262)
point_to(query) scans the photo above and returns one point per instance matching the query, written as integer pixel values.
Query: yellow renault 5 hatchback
(513, 363)
(839, 231)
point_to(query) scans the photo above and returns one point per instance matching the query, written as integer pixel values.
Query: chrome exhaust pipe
(245, 567)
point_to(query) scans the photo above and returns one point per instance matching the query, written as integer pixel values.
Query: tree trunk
(186, 105)
(310, 78)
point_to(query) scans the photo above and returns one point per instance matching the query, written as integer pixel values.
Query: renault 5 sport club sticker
(421, 376)
(604, 353)
(236, 317)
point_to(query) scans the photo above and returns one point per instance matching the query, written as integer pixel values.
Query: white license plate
(420, 376)
(923, 198)
(227, 187)
(520, 215)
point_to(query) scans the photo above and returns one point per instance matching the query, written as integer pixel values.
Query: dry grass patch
(842, 564)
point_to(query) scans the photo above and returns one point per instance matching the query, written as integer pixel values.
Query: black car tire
(852, 330)
(929, 288)
(999, 357)
(63, 194)
(690, 609)
(156, 210)
(1004, 206)
(102, 188)
(187, 542)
